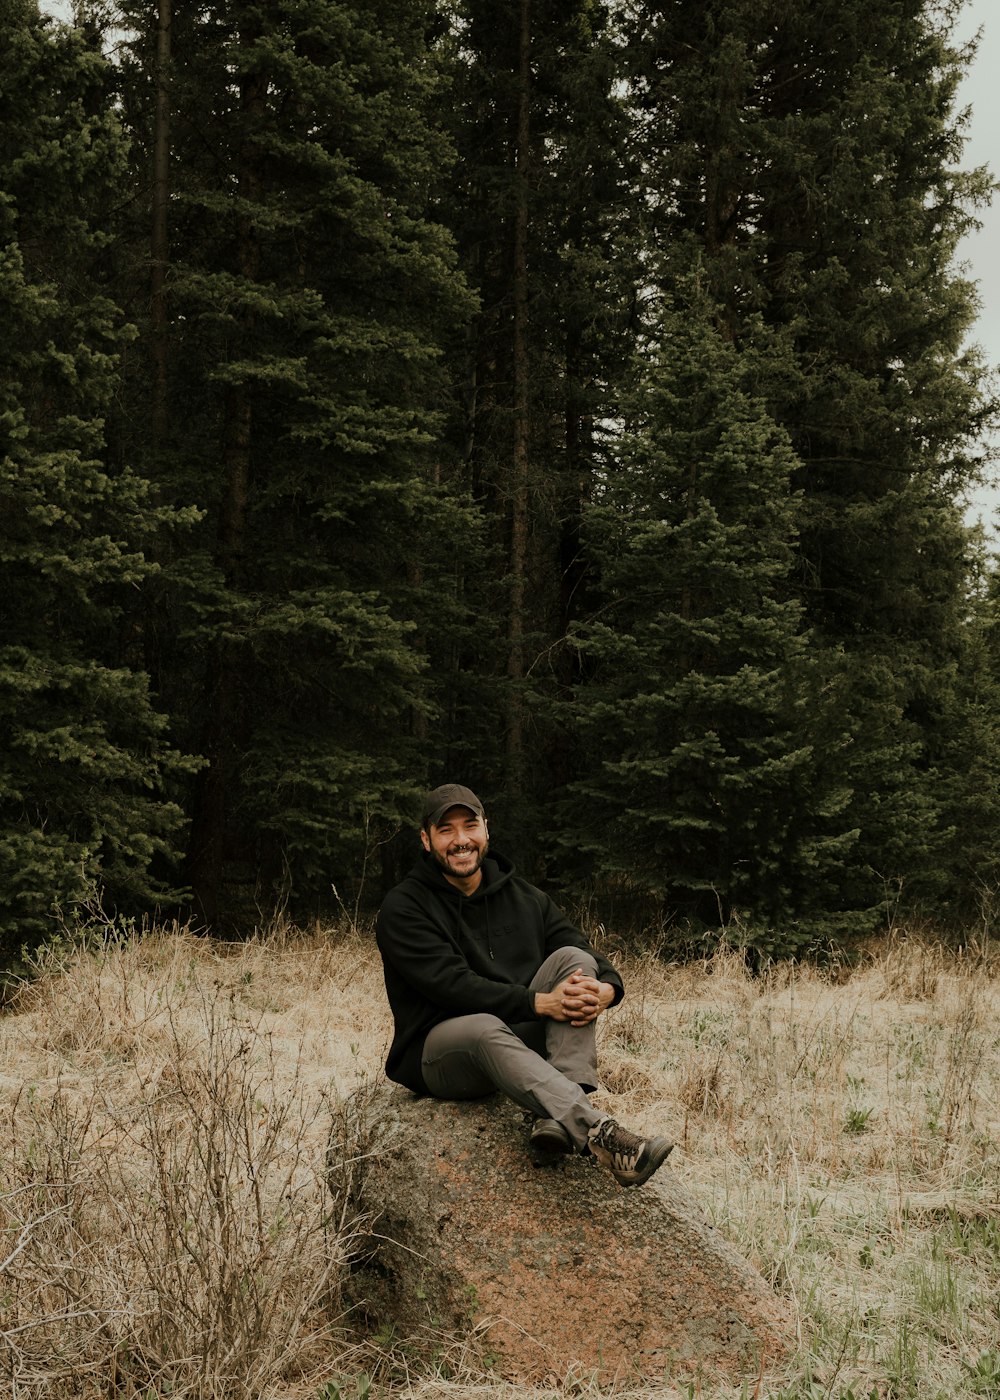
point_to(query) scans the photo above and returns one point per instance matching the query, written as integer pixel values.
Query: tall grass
(166, 1226)
(842, 1131)
(166, 1106)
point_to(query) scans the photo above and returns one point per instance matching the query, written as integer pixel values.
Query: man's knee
(558, 966)
(578, 957)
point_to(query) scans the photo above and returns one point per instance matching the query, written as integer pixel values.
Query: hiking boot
(549, 1136)
(631, 1160)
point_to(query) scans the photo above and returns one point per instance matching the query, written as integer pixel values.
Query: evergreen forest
(577, 399)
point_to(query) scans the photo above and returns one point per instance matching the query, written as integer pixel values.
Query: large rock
(551, 1269)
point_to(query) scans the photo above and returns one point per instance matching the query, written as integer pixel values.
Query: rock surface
(551, 1270)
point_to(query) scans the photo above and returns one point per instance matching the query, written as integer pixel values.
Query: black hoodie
(447, 954)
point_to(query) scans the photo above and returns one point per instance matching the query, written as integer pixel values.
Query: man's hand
(579, 999)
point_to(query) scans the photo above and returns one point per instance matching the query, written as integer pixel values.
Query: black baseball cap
(436, 803)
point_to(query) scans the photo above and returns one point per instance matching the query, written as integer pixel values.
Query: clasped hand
(578, 999)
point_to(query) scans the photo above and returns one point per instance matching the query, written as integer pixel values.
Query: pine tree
(813, 156)
(308, 293)
(702, 719)
(539, 210)
(83, 760)
(965, 752)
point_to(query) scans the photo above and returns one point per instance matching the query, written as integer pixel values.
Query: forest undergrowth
(167, 1104)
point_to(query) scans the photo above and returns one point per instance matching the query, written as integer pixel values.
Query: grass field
(166, 1104)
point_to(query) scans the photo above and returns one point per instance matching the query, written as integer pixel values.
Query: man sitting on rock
(491, 987)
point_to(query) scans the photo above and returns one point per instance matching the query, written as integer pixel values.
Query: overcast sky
(981, 92)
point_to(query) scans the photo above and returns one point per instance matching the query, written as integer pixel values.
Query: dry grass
(843, 1133)
(165, 1104)
(165, 1107)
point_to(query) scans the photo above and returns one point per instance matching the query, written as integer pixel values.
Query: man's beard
(462, 874)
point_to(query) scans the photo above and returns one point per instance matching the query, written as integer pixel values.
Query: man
(491, 987)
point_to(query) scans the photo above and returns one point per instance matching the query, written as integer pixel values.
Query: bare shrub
(171, 1232)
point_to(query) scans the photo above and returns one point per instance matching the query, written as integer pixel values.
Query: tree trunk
(521, 448)
(211, 815)
(159, 246)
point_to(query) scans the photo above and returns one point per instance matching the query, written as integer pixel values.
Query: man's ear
(425, 840)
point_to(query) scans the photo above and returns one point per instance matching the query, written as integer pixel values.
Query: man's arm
(560, 932)
(434, 968)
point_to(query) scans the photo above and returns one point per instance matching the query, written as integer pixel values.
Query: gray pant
(468, 1057)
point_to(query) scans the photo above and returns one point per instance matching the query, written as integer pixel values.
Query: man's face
(458, 843)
